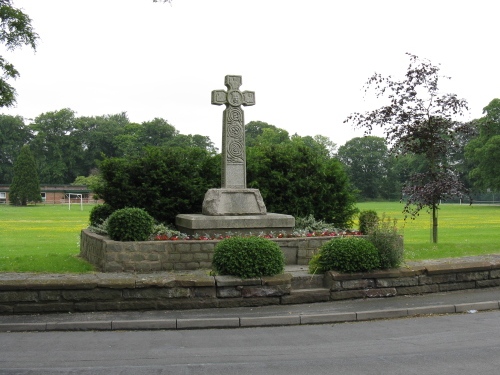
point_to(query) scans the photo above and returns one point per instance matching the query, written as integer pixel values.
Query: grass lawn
(463, 230)
(42, 238)
(45, 238)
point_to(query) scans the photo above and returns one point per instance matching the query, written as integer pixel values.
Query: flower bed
(270, 235)
(181, 253)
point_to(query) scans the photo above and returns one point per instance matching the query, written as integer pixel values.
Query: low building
(55, 194)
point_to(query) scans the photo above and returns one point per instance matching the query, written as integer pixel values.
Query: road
(449, 344)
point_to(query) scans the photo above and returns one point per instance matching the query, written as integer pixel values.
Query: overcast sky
(307, 61)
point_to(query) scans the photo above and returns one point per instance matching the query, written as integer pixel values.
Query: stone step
(307, 281)
(311, 295)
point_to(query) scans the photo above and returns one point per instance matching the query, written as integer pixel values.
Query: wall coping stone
(41, 293)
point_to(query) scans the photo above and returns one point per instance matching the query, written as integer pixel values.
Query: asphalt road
(447, 344)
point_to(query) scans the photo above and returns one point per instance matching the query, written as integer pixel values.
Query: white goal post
(69, 195)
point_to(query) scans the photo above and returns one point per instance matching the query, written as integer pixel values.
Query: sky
(306, 61)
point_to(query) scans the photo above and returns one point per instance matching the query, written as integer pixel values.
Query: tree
(15, 31)
(14, 134)
(484, 150)
(25, 185)
(164, 181)
(419, 120)
(97, 136)
(58, 151)
(365, 159)
(299, 178)
(259, 132)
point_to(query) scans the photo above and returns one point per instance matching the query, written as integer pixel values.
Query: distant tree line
(295, 175)
(377, 173)
(66, 146)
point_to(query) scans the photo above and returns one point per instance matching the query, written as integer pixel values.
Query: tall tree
(58, 152)
(259, 132)
(483, 152)
(14, 134)
(15, 31)
(420, 120)
(298, 177)
(365, 159)
(25, 185)
(97, 137)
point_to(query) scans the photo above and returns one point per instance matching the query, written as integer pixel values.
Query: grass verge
(42, 238)
(463, 230)
(45, 238)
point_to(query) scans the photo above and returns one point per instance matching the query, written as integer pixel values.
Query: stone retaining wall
(147, 256)
(418, 278)
(42, 293)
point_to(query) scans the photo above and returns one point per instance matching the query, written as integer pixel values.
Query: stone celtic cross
(234, 174)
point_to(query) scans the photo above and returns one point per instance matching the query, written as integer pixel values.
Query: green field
(45, 238)
(463, 230)
(42, 238)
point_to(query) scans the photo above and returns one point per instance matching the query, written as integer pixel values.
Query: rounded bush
(368, 220)
(349, 254)
(130, 224)
(100, 213)
(248, 257)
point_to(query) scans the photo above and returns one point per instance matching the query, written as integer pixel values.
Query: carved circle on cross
(234, 131)
(235, 151)
(234, 98)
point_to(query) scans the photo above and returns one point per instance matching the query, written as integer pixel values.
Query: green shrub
(164, 181)
(100, 213)
(314, 264)
(248, 257)
(310, 224)
(130, 224)
(388, 241)
(367, 220)
(348, 254)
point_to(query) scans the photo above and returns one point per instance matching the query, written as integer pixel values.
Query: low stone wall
(148, 256)
(42, 293)
(45, 293)
(416, 278)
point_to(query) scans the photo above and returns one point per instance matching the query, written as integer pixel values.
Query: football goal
(74, 196)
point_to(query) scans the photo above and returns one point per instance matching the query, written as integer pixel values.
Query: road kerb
(327, 318)
(22, 327)
(429, 310)
(381, 314)
(270, 321)
(79, 326)
(478, 306)
(208, 323)
(144, 324)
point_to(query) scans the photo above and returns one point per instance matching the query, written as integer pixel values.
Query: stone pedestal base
(242, 224)
(222, 202)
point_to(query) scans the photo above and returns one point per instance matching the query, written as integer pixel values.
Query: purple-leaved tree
(419, 120)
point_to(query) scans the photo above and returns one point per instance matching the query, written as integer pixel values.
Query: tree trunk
(434, 223)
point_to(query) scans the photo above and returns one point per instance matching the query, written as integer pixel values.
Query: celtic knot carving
(235, 151)
(235, 131)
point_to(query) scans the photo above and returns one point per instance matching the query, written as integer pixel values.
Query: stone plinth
(221, 202)
(243, 224)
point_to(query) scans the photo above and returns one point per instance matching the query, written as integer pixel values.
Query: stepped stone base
(222, 202)
(242, 224)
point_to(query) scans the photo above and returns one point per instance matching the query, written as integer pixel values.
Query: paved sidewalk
(466, 301)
